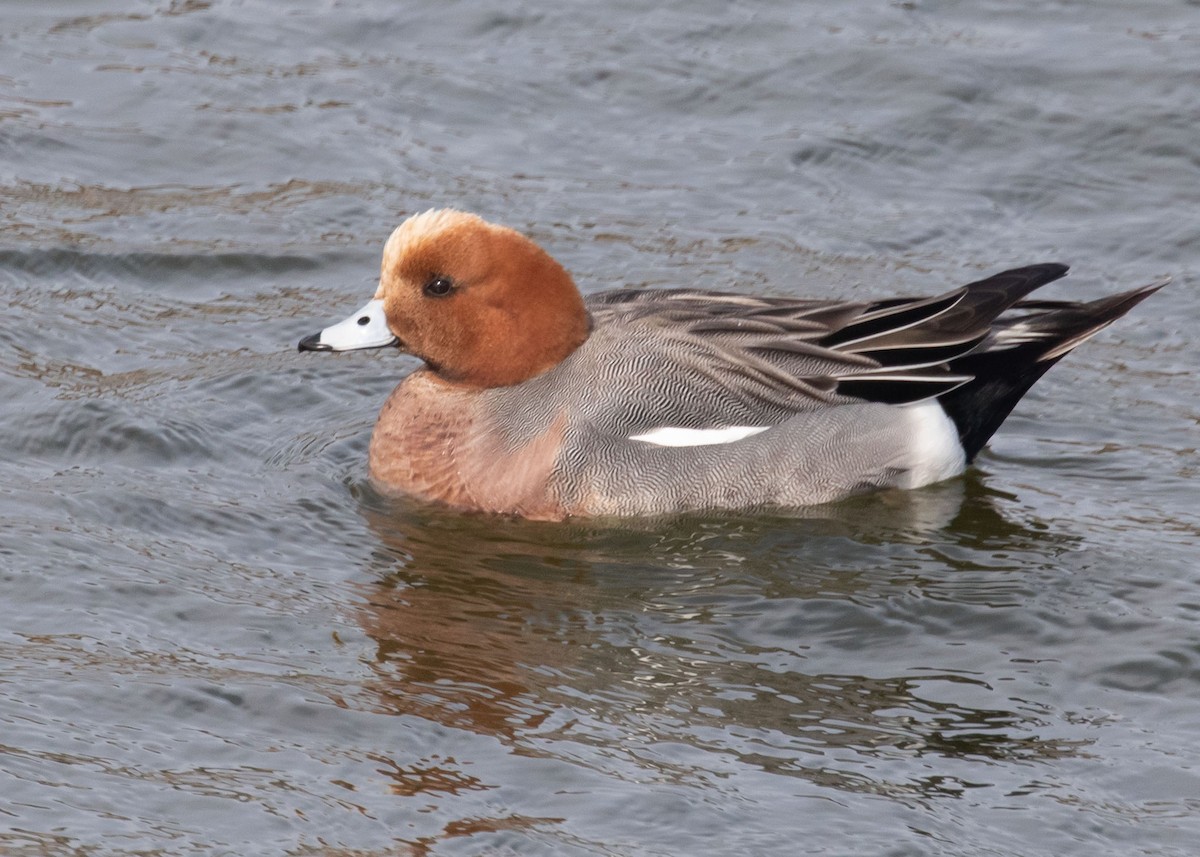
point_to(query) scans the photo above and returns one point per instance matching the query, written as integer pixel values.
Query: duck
(536, 402)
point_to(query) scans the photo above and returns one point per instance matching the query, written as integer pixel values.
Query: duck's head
(481, 304)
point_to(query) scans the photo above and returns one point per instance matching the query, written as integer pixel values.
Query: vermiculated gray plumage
(825, 376)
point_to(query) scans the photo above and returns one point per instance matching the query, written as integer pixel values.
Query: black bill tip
(313, 343)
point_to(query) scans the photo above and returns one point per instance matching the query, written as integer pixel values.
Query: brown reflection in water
(421, 847)
(558, 638)
(411, 780)
(470, 625)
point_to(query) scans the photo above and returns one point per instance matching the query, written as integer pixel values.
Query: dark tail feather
(1021, 347)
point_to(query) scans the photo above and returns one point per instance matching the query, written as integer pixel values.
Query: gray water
(216, 639)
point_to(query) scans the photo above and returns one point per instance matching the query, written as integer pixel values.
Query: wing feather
(778, 356)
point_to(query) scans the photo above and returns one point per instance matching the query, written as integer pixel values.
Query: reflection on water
(649, 635)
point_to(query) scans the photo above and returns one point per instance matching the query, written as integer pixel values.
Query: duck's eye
(364, 321)
(439, 287)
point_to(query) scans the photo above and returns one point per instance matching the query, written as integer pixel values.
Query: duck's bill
(367, 328)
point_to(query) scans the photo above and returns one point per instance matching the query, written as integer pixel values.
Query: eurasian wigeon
(538, 402)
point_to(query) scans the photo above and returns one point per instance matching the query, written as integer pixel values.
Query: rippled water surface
(216, 639)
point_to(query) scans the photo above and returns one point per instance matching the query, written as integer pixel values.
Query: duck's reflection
(565, 639)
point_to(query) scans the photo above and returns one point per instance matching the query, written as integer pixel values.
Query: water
(216, 639)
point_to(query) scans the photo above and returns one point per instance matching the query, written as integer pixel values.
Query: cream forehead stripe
(424, 225)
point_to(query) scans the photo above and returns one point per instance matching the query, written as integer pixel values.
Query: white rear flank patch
(671, 436)
(937, 453)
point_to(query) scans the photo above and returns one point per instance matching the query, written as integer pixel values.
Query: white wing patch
(672, 436)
